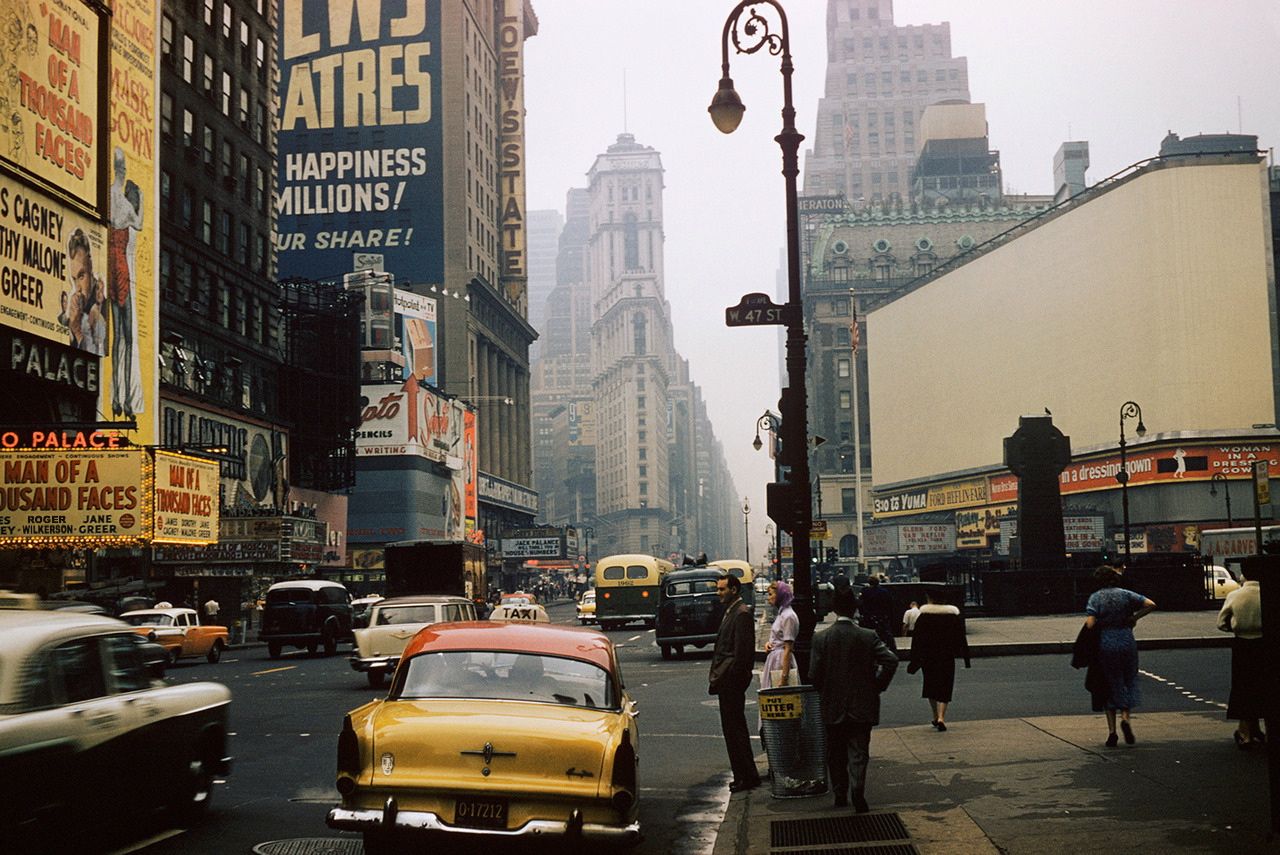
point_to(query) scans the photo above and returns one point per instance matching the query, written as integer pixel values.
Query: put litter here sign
(781, 707)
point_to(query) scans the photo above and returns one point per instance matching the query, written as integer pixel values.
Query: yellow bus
(741, 569)
(627, 589)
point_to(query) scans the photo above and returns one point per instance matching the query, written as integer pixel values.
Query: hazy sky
(1117, 74)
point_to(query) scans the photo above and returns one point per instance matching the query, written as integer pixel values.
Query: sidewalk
(1035, 634)
(1034, 785)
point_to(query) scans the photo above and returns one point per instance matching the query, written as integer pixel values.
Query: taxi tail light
(624, 776)
(348, 752)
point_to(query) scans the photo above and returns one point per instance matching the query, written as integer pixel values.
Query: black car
(689, 611)
(306, 613)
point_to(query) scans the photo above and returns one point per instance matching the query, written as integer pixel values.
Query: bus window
(634, 571)
(613, 573)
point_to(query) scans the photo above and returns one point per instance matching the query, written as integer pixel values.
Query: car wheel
(376, 677)
(273, 649)
(174, 653)
(678, 651)
(666, 651)
(312, 647)
(330, 641)
(215, 653)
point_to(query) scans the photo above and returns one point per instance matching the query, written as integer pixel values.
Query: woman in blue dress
(1114, 611)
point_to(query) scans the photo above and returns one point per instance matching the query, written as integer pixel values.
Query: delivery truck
(450, 567)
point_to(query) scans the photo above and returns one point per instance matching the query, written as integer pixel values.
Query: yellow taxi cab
(530, 612)
(498, 729)
(180, 632)
(587, 608)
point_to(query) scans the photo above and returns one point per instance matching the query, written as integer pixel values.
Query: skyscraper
(544, 246)
(880, 77)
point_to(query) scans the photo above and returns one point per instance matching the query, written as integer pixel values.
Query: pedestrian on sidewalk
(909, 619)
(877, 611)
(850, 666)
(780, 667)
(938, 641)
(1115, 611)
(732, 663)
(1242, 615)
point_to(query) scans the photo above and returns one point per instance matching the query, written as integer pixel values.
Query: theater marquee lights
(104, 495)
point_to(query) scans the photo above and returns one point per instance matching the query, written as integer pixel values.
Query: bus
(627, 589)
(741, 569)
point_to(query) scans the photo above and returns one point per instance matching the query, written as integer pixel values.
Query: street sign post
(755, 310)
(818, 530)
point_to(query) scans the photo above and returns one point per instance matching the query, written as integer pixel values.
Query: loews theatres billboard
(360, 142)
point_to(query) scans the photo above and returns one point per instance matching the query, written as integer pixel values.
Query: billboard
(252, 456)
(360, 148)
(186, 499)
(51, 81)
(1168, 464)
(408, 419)
(53, 262)
(77, 498)
(1105, 283)
(130, 380)
(511, 222)
(415, 328)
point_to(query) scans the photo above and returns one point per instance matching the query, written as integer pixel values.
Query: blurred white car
(392, 622)
(1220, 581)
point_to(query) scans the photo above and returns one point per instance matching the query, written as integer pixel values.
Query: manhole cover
(829, 830)
(311, 846)
(873, 849)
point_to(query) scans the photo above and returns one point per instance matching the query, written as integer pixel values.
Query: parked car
(180, 632)
(554, 758)
(83, 725)
(306, 613)
(689, 610)
(587, 608)
(393, 622)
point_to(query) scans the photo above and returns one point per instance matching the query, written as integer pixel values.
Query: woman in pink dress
(780, 663)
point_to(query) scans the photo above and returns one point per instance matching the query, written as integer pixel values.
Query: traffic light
(783, 503)
(832, 555)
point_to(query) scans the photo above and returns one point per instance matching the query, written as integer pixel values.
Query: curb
(1045, 648)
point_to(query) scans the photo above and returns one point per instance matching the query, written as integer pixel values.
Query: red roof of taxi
(526, 637)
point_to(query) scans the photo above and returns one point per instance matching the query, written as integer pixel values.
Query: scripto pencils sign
(186, 503)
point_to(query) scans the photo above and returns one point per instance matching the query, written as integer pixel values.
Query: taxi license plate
(480, 813)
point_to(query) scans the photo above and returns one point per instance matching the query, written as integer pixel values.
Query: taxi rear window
(691, 586)
(637, 571)
(612, 573)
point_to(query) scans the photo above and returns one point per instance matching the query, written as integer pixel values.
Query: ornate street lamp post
(1128, 410)
(750, 32)
(1217, 478)
(746, 528)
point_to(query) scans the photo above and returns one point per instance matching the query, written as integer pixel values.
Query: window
(260, 190)
(225, 98)
(207, 76)
(226, 19)
(208, 147)
(206, 222)
(842, 368)
(166, 37)
(208, 13)
(188, 205)
(166, 115)
(188, 129)
(844, 399)
(188, 57)
(77, 665)
(848, 501)
(243, 115)
(242, 243)
(224, 233)
(228, 159)
(166, 198)
(128, 674)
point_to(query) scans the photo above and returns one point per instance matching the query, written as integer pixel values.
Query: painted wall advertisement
(130, 379)
(51, 71)
(252, 456)
(360, 142)
(186, 499)
(1169, 464)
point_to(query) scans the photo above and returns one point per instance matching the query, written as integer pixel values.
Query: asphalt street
(286, 715)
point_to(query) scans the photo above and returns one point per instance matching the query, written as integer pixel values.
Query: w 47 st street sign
(756, 310)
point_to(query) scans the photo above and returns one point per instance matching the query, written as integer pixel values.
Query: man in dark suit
(850, 666)
(731, 668)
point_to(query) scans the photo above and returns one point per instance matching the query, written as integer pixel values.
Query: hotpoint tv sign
(360, 143)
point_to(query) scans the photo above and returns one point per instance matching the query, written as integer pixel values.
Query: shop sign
(235, 550)
(186, 499)
(905, 502)
(960, 494)
(1084, 534)
(532, 547)
(75, 498)
(921, 539)
(1002, 488)
(1168, 464)
(54, 73)
(53, 361)
(880, 540)
(496, 491)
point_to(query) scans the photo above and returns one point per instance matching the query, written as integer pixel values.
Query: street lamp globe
(726, 107)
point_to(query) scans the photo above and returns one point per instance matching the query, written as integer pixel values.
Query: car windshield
(691, 586)
(388, 615)
(290, 596)
(503, 675)
(148, 620)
